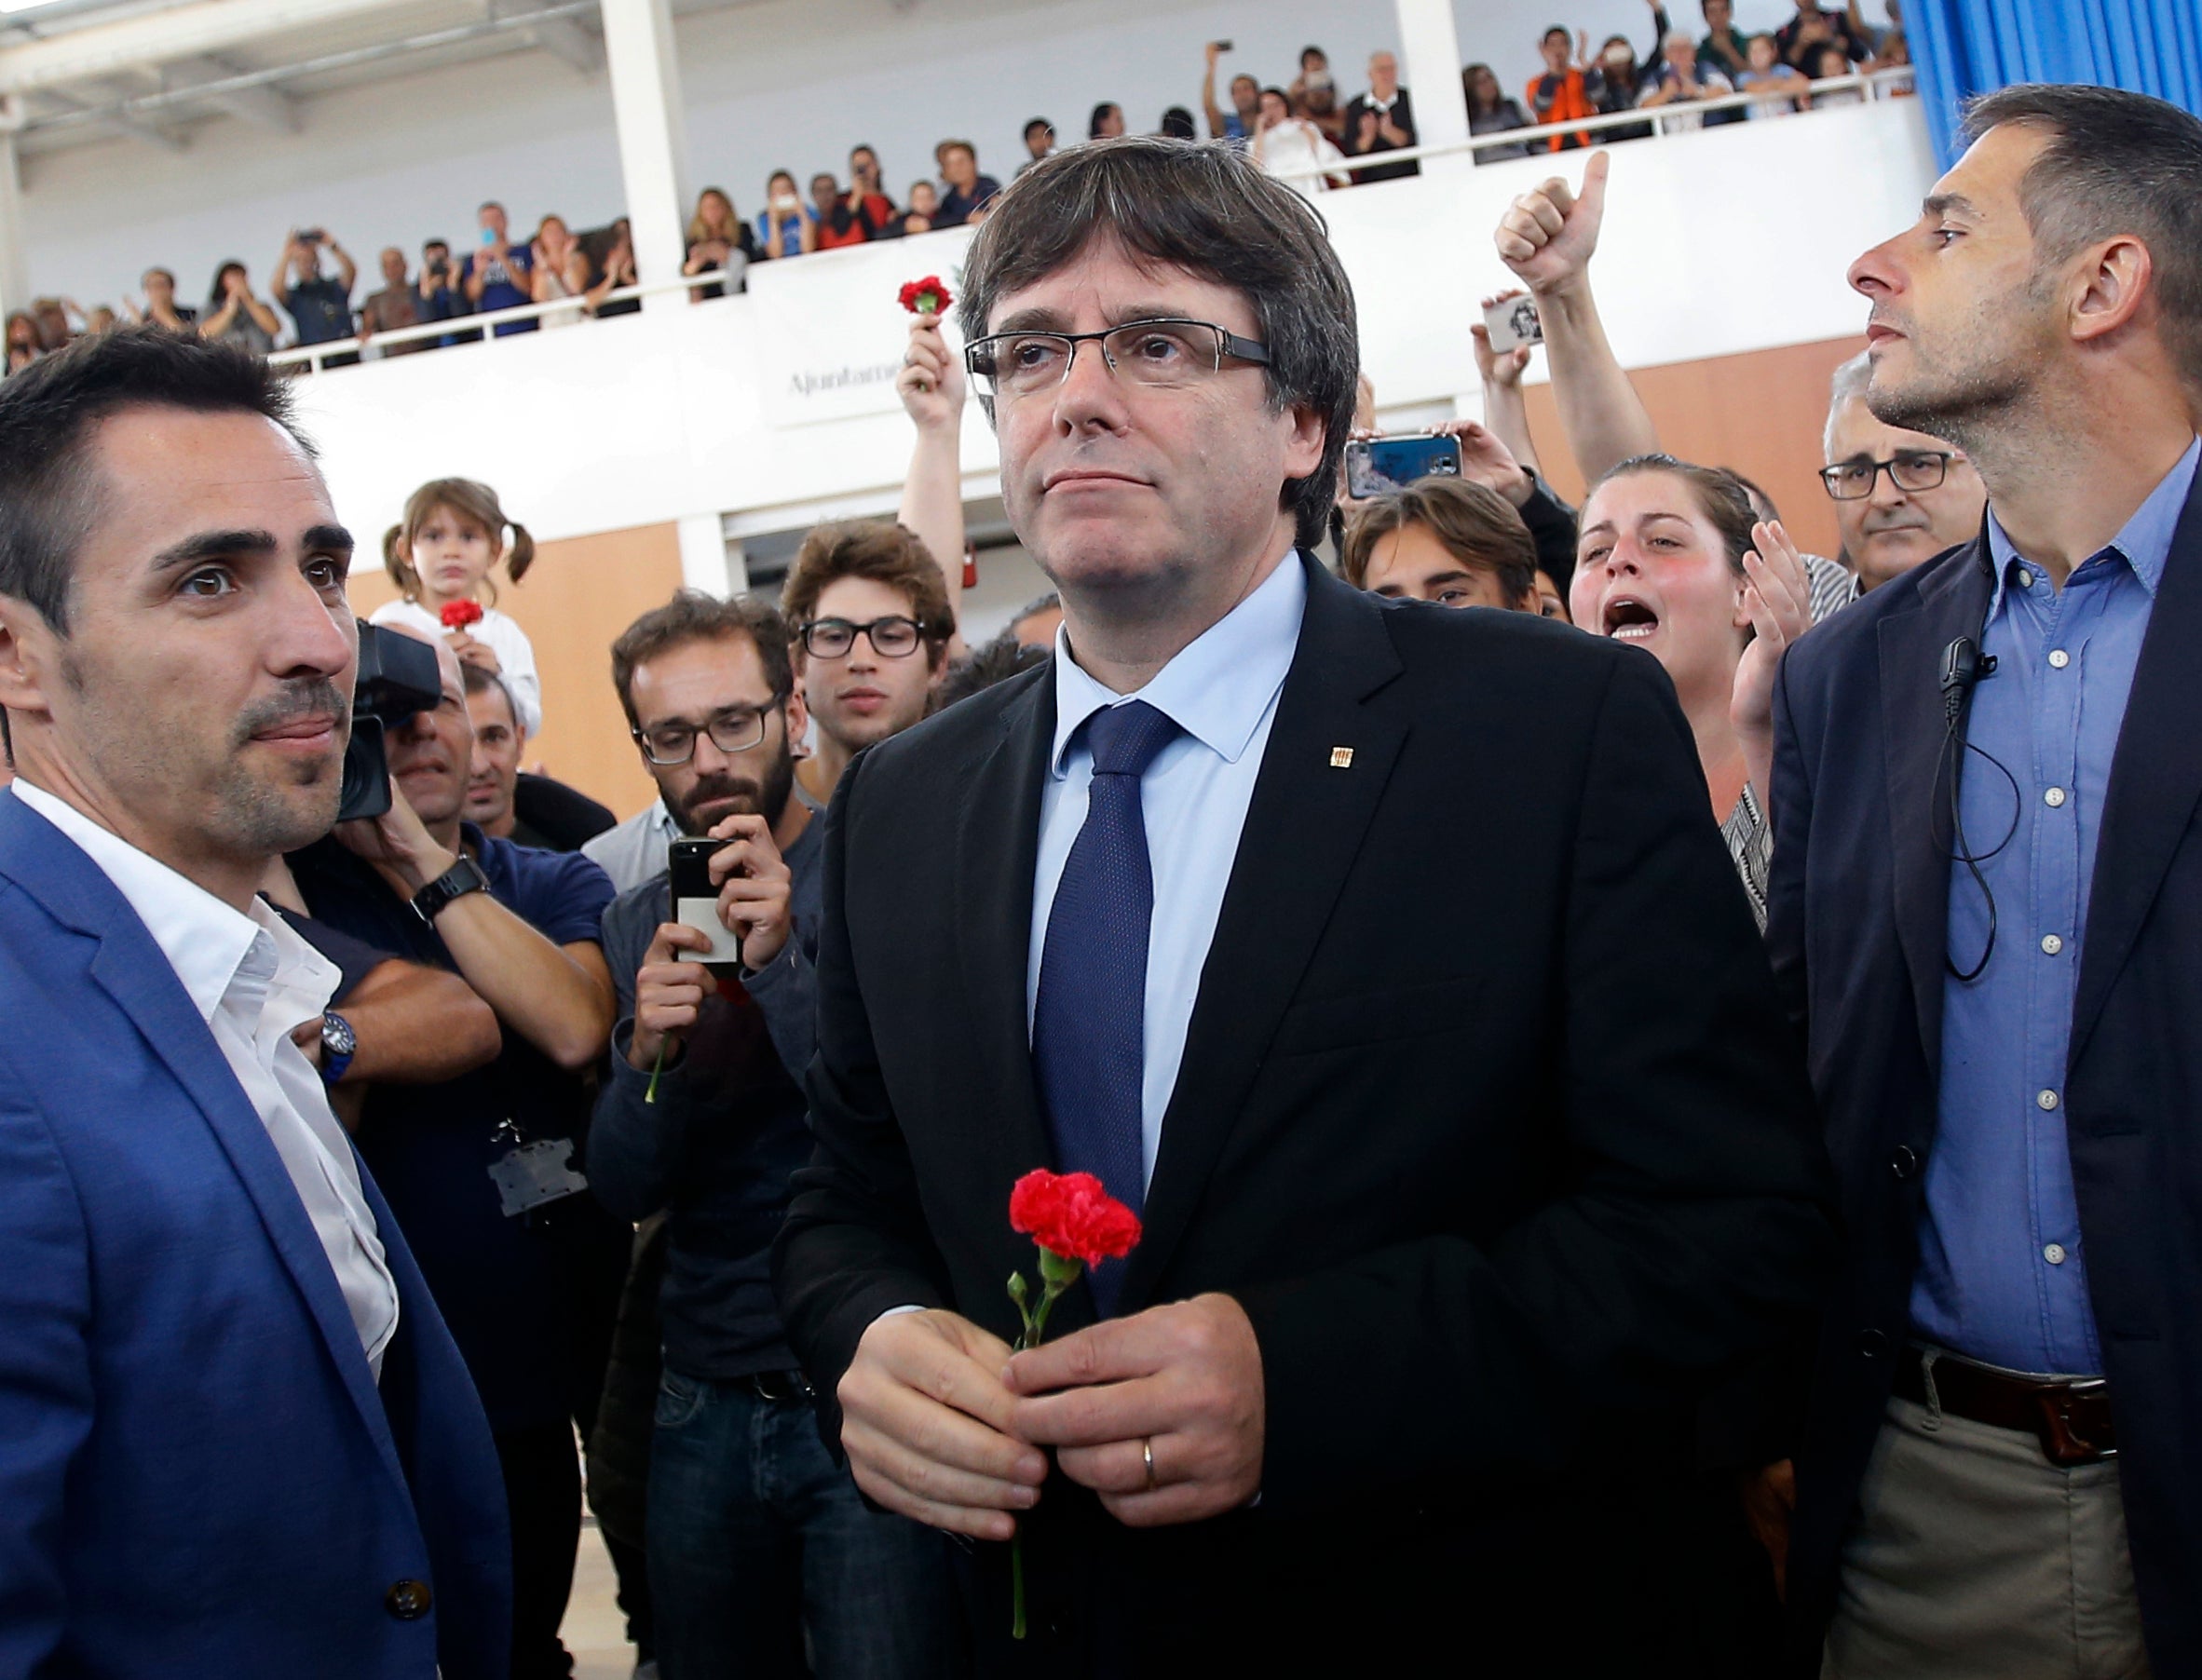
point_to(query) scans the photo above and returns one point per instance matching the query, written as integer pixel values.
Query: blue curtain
(1966, 47)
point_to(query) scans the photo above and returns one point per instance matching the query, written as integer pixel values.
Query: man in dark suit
(1447, 1168)
(2001, 968)
(239, 1440)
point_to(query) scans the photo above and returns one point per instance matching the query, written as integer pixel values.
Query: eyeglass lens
(735, 731)
(1150, 353)
(1852, 480)
(890, 637)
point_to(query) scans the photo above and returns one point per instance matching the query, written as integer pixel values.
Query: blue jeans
(759, 1545)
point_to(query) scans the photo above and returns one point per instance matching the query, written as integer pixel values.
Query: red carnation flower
(927, 296)
(457, 614)
(1070, 1215)
(1077, 1223)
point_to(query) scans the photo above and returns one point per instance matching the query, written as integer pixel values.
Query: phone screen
(696, 901)
(1379, 466)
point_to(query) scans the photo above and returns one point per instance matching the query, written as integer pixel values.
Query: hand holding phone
(1379, 466)
(669, 992)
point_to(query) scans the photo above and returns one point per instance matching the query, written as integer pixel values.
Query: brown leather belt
(2072, 1419)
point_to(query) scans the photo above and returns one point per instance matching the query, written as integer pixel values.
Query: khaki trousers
(1974, 1558)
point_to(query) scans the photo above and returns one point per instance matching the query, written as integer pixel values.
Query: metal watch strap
(461, 878)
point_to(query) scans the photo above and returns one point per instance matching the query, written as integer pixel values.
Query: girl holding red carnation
(442, 555)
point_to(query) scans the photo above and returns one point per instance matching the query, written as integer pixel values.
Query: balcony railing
(1881, 84)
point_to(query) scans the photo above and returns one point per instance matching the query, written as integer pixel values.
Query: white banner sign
(834, 328)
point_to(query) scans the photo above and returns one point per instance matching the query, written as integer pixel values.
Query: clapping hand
(1778, 597)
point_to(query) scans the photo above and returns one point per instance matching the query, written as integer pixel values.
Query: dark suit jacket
(1859, 913)
(1486, 1116)
(199, 1473)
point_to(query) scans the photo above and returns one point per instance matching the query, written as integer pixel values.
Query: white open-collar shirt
(252, 979)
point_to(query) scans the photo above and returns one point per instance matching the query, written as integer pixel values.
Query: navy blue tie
(1089, 1043)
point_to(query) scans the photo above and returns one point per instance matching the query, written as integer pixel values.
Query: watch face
(337, 1037)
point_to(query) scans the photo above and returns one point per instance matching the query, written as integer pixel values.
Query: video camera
(398, 677)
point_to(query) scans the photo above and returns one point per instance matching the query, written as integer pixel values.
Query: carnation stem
(657, 1067)
(1017, 1585)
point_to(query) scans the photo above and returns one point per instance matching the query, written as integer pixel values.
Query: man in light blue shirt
(1986, 889)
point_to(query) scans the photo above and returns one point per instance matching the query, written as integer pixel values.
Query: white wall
(685, 411)
(791, 83)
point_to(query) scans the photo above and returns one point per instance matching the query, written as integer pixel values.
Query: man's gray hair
(1847, 385)
(1212, 211)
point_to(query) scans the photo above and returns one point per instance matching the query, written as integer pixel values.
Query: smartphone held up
(1379, 466)
(696, 903)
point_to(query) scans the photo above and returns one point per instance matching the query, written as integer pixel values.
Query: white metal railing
(1878, 84)
(484, 326)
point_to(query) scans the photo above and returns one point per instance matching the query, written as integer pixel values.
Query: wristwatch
(339, 1045)
(461, 878)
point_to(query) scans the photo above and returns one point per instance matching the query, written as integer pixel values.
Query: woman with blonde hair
(719, 239)
(442, 555)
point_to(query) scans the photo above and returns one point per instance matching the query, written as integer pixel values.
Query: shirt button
(2055, 796)
(2023, 579)
(2047, 1099)
(2051, 943)
(2054, 1254)
(2059, 658)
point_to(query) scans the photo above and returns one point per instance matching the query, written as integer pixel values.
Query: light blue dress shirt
(1222, 691)
(2002, 1272)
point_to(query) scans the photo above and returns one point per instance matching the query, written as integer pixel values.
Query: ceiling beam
(264, 106)
(187, 30)
(567, 40)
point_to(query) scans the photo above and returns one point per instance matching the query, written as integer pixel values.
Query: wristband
(461, 878)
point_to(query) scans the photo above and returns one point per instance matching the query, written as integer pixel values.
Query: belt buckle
(779, 1386)
(2061, 1442)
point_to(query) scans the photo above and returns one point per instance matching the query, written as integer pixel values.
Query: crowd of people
(1701, 1136)
(1297, 131)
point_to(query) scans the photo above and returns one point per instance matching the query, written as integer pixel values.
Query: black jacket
(1859, 913)
(1486, 1116)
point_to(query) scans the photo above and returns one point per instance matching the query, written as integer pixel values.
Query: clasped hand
(942, 1423)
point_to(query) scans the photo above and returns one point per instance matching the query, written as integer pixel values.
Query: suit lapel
(2156, 777)
(996, 854)
(1951, 604)
(132, 971)
(1303, 829)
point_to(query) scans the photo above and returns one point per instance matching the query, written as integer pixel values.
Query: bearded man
(757, 1541)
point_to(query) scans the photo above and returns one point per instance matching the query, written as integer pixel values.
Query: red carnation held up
(457, 614)
(1070, 1215)
(927, 296)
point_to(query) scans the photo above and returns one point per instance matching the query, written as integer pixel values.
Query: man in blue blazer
(1987, 908)
(234, 1437)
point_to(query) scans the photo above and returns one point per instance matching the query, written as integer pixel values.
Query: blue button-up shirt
(2002, 1273)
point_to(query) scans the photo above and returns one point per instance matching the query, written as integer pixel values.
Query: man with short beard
(239, 1440)
(756, 1538)
(1986, 889)
(1901, 497)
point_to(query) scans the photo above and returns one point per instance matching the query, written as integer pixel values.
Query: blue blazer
(198, 1474)
(1858, 913)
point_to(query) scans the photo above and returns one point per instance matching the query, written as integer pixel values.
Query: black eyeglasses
(891, 638)
(1907, 469)
(736, 729)
(1156, 352)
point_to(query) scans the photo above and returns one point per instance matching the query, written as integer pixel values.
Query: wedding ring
(1147, 1452)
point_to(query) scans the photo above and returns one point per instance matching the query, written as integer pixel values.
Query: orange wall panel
(577, 598)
